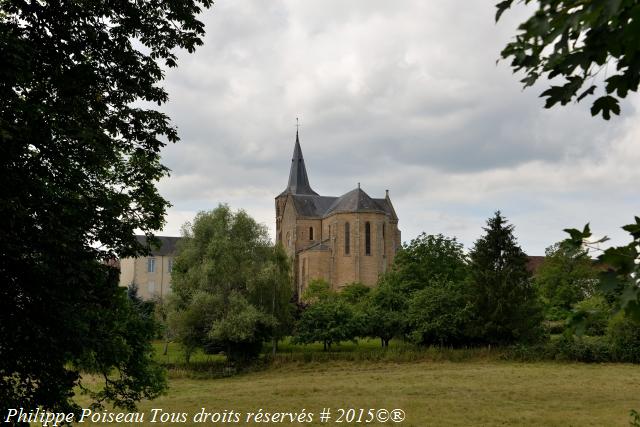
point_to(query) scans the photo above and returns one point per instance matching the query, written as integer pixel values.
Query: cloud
(405, 96)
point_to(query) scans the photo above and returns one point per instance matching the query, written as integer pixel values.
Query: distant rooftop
(167, 245)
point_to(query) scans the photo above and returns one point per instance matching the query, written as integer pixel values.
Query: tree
(429, 258)
(80, 158)
(272, 289)
(577, 40)
(229, 285)
(386, 310)
(565, 277)
(355, 293)
(439, 314)
(506, 304)
(328, 319)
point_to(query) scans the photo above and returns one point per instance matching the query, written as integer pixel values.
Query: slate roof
(167, 245)
(354, 201)
(313, 206)
(319, 246)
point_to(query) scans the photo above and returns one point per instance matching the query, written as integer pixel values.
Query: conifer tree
(506, 305)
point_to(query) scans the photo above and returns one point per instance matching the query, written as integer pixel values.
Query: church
(346, 239)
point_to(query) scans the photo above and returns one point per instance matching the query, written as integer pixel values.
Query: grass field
(431, 393)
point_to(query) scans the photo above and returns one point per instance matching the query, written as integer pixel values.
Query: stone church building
(351, 238)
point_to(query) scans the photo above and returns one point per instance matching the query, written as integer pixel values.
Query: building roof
(355, 200)
(314, 206)
(167, 245)
(298, 179)
(318, 246)
(308, 203)
(534, 262)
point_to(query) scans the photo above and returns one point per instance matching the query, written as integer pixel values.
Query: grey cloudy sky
(400, 95)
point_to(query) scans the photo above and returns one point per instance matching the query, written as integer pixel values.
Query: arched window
(384, 237)
(310, 233)
(367, 238)
(288, 239)
(347, 238)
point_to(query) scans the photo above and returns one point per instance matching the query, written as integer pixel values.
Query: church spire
(298, 179)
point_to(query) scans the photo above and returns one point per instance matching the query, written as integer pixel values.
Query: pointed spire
(298, 179)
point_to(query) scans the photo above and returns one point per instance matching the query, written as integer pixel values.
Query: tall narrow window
(384, 239)
(170, 265)
(347, 238)
(151, 265)
(310, 233)
(367, 238)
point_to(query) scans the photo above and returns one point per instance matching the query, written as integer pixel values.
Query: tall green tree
(439, 314)
(565, 278)
(230, 288)
(386, 310)
(272, 290)
(507, 308)
(586, 43)
(428, 259)
(79, 162)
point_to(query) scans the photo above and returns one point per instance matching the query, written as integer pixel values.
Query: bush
(595, 312)
(566, 348)
(624, 337)
(581, 349)
(554, 327)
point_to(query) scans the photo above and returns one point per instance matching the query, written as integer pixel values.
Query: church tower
(298, 184)
(346, 239)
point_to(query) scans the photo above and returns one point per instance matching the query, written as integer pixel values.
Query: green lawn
(431, 393)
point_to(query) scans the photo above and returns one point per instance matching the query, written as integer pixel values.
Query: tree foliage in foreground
(585, 42)
(78, 168)
(622, 276)
(506, 304)
(231, 288)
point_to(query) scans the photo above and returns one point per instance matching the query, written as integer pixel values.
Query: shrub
(581, 349)
(555, 327)
(567, 347)
(595, 311)
(624, 337)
